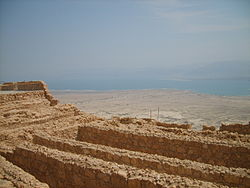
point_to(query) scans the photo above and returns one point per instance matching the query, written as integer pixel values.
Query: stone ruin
(47, 144)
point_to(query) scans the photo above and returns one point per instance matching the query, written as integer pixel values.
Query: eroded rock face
(64, 147)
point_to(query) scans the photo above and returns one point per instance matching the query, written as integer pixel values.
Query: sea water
(214, 87)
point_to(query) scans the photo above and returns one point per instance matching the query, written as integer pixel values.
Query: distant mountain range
(217, 70)
(220, 70)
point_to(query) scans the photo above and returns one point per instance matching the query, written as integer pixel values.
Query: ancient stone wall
(239, 128)
(23, 86)
(180, 147)
(29, 86)
(174, 125)
(60, 169)
(139, 121)
(216, 135)
(13, 176)
(5, 98)
(207, 127)
(186, 168)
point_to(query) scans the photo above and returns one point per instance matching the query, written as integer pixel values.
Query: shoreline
(152, 89)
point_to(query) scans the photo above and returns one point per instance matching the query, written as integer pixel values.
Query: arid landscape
(176, 106)
(124, 94)
(48, 144)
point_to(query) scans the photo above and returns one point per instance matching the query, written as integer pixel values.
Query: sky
(95, 40)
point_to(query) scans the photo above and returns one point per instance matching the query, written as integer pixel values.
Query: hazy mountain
(219, 70)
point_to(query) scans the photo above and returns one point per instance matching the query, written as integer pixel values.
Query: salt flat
(174, 105)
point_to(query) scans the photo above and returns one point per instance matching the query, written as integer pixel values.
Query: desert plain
(175, 106)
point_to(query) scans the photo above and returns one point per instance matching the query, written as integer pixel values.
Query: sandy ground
(174, 105)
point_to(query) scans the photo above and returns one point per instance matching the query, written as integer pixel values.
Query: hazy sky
(108, 39)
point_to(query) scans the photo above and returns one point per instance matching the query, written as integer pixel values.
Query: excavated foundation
(199, 148)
